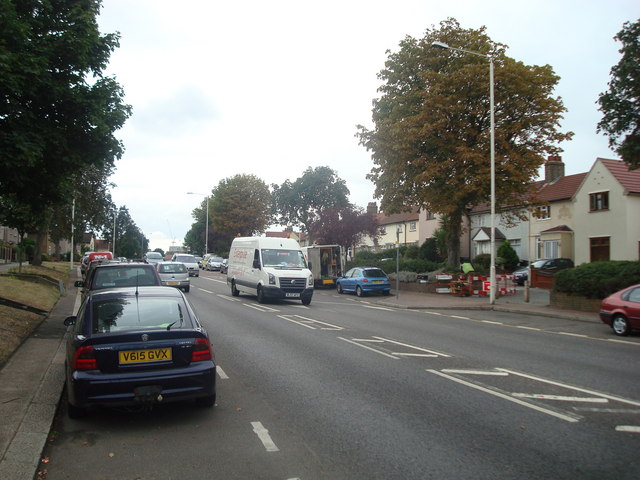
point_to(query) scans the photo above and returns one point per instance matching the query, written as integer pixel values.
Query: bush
(429, 251)
(482, 262)
(508, 256)
(597, 279)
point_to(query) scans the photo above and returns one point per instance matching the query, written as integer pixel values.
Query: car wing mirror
(78, 283)
(70, 321)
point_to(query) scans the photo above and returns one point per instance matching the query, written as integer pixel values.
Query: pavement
(32, 381)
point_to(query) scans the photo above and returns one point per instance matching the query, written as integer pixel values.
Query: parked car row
(548, 265)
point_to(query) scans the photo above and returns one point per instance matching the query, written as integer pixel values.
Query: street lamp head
(440, 45)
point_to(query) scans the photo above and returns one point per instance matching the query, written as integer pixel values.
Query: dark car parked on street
(621, 310)
(115, 275)
(137, 347)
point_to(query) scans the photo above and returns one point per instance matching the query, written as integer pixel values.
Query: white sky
(269, 87)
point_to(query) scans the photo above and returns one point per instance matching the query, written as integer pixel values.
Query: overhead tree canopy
(431, 137)
(58, 113)
(238, 205)
(345, 227)
(621, 104)
(299, 203)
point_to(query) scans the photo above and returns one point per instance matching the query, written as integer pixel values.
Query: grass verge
(15, 324)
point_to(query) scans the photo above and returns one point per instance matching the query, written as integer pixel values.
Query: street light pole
(492, 267)
(206, 228)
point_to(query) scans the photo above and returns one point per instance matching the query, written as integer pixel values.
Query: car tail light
(84, 359)
(201, 350)
(364, 280)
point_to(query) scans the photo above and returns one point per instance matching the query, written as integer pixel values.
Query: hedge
(597, 279)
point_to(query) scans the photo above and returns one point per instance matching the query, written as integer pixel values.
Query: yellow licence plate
(173, 283)
(145, 356)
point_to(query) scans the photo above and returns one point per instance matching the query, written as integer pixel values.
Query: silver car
(174, 274)
(153, 258)
(214, 263)
(189, 261)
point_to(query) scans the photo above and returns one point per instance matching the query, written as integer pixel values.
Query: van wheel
(260, 295)
(234, 291)
(306, 301)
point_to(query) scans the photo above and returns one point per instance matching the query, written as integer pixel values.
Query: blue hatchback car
(363, 280)
(137, 347)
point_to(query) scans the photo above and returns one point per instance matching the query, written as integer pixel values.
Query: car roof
(116, 264)
(152, 291)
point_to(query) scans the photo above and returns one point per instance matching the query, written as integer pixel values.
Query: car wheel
(359, 291)
(234, 291)
(387, 292)
(186, 289)
(260, 295)
(339, 288)
(206, 402)
(620, 325)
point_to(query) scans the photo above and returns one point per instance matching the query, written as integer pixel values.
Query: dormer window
(598, 201)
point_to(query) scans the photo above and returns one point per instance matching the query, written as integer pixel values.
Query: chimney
(553, 169)
(372, 208)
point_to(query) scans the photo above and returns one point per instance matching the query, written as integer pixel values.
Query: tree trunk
(453, 228)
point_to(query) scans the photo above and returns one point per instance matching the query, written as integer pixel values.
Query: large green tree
(431, 137)
(92, 207)
(238, 205)
(129, 239)
(621, 104)
(345, 227)
(300, 202)
(58, 112)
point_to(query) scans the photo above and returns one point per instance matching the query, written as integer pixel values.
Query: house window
(383, 230)
(412, 226)
(543, 212)
(598, 201)
(431, 216)
(600, 249)
(551, 249)
(399, 228)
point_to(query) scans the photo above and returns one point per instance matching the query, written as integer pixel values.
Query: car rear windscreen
(139, 313)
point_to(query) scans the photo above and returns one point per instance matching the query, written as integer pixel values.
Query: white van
(270, 268)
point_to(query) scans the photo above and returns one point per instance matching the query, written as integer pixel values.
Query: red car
(622, 310)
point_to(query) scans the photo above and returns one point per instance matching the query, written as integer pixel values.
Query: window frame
(599, 201)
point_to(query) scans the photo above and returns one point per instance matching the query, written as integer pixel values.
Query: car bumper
(376, 288)
(606, 317)
(94, 388)
(175, 283)
(277, 293)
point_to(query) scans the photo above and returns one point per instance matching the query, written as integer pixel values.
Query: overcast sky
(270, 88)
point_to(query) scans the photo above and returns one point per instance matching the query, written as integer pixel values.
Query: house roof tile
(629, 179)
(384, 219)
(561, 189)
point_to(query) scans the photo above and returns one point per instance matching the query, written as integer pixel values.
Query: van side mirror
(256, 264)
(309, 266)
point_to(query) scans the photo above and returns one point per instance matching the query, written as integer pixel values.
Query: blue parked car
(137, 346)
(363, 280)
